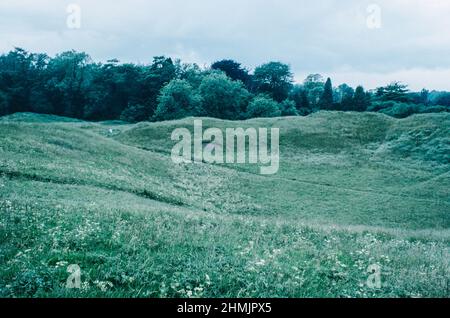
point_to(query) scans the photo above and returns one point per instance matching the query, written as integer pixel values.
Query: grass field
(353, 190)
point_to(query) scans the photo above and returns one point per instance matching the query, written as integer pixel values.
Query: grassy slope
(352, 190)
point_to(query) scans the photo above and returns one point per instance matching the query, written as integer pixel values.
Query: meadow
(353, 190)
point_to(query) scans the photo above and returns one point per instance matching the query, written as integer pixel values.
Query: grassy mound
(353, 190)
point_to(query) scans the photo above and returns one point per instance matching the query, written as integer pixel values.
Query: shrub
(222, 97)
(288, 108)
(178, 100)
(403, 110)
(263, 106)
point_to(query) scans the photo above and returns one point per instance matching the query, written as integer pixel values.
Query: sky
(359, 42)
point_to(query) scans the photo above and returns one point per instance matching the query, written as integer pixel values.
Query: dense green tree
(419, 97)
(424, 97)
(113, 87)
(222, 97)
(360, 100)
(443, 99)
(393, 92)
(40, 102)
(263, 106)
(134, 114)
(275, 79)
(233, 70)
(314, 85)
(300, 96)
(20, 73)
(326, 100)
(4, 107)
(154, 78)
(178, 100)
(288, 108)
(190, 72)
(345, 97)
(68, 83)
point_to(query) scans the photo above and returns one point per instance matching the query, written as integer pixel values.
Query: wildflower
(103, 285)
(61, 264)
(261, 262)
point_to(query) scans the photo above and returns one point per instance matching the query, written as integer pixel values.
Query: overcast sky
(324, 36)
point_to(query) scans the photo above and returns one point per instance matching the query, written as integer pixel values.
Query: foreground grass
(138, 226)
(160, 251)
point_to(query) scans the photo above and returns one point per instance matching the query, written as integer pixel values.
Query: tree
(424, 96)
(4, 109)
(263, 106)
(314, 85)
(360, 100)
(419, 97)
(275, 79)
(326, 100)
(134, 113)
(68, 83)
(40, 102)
(233, 70)
(344, 95)
(300, 97)
(177, 100)
(190, 72)
(222, 97)
(21, 74)
(153, 79)
(113, 87)
(443, 99)
(288, 108)
(395, 91)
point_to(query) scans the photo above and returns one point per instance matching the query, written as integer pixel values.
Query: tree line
(72, 85)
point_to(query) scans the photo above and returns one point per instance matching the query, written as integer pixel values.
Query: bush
(443, 99)
(222, 97)
(263, 106)
(403, 110)
(288, 108)
(178, 100)
(437, 109)
(378, 106)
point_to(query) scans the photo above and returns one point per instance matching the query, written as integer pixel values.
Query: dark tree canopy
(300, 97)
(360, 100)
(222, 97)
(275, 79)
(344, 95)
(233, 70)
(178, 100)
(263, 106)
(71, 84)
(393, 92)
(326, 100)
(443, 99)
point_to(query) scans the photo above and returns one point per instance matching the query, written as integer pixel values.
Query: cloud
(330, 37)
